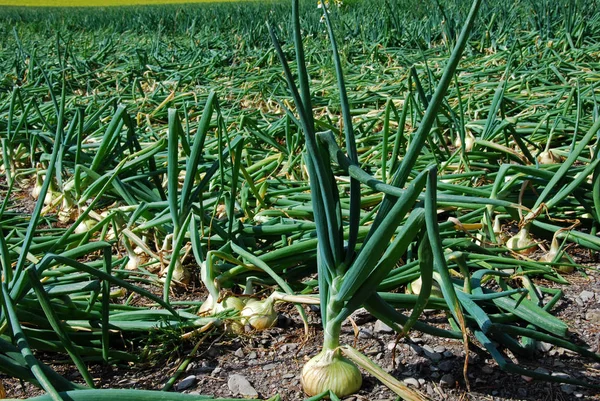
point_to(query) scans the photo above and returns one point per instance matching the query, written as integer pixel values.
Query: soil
(271, 360)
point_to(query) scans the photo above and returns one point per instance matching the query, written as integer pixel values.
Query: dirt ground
(271, 360)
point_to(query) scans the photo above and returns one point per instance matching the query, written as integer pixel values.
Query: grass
(102, 3)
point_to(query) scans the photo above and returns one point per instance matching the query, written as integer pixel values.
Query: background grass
(101, 3)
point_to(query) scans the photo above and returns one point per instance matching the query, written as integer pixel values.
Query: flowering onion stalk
(348, 276)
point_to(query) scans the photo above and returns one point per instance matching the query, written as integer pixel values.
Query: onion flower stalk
(348, 275)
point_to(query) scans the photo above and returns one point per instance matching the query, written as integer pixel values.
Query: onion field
(393, 155)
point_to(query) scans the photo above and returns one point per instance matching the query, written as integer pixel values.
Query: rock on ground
(238, 384)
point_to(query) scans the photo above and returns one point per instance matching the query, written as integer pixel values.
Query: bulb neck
(331, 334)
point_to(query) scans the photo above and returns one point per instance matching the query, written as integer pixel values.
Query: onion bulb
(328, 370)
(522, 242)
(66, 213)
(548, 157)
(133, 262)
(181, 274)
(260, 314)
(229, 303)
(415, 288)
(501, 237)
(85, 226)
(37, 188)
(552, 255)
(469, 141)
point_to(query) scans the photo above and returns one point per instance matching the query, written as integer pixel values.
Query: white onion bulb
(328, 370)
(260, 314)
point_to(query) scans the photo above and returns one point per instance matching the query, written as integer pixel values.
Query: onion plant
(349, 277)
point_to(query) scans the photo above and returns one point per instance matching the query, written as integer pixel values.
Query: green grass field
(101, 3)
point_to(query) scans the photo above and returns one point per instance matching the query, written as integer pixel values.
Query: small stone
(488, 370)
(216, 371)
(415, 349)
(381, 327)
(578, 395)
(411, 381)
(205, 368)
(435, 375)
(593, 316)
(361, 316)
(561, 375)
(252, 355)
(527, 379)
(270, 366)
(288, 376)
(429, 389)
(567, 388)
(448, 354)
(440, 349)
(416, 340)
(579, 301)
(390, 346)
(421, 381)
(544, 346)
(239, 353)
(586, 295)
(289, 347)
(365, 333)
(447, 380)
(446, 366)
(238, 384)
(431, 354)
(185, 383)
(283, 321)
